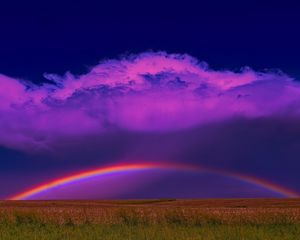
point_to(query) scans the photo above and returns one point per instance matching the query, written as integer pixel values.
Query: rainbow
(148, 166)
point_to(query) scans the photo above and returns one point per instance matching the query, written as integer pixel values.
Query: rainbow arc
(30, 193)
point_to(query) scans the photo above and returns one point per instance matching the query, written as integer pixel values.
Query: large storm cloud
(150, 92)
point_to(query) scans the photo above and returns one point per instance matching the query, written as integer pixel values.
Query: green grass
(37, 231)
(227, 219)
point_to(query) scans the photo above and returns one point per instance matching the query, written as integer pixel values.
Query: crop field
(209, 219)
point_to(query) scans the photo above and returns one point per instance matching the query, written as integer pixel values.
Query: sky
(149, 100)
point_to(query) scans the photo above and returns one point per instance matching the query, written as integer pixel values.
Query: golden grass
(169, 219)
(189, 212)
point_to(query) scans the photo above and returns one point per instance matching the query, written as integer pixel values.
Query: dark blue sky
(38, 37)
(57, 36)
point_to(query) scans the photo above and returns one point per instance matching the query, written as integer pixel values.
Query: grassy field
(210, 219)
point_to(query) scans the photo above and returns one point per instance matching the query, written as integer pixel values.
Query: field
(209, 219)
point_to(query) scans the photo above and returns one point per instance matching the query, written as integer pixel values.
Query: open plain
(207, 219)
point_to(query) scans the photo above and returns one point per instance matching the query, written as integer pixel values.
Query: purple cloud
(149, 92)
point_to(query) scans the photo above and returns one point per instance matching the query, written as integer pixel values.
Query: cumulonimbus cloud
(145, 92)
